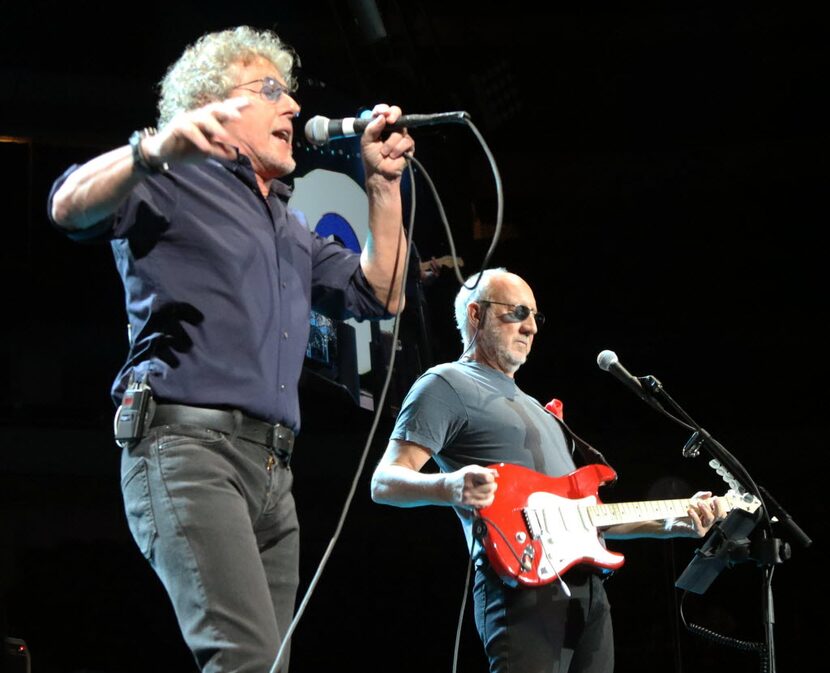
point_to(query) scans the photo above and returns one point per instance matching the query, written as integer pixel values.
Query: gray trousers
(215, 517)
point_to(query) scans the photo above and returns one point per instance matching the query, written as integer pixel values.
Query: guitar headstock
(742, 500)
(727, 476)
(737, 497)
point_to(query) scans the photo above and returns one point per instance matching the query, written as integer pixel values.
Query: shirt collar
(242, 168)
(506, 384)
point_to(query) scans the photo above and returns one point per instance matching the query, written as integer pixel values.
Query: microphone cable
(484, 265)
(463, 607)
(379, 408)
(499, 207)
(410, 160)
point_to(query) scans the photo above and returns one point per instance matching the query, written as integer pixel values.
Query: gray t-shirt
(468, 413)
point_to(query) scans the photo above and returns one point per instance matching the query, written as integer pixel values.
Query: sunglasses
(519, 313)
(271, 89)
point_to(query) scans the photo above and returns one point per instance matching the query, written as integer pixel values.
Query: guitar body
(538, 527)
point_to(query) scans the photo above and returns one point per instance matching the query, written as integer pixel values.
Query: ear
(474, 314)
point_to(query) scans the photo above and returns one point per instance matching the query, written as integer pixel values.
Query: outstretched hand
(196, 134)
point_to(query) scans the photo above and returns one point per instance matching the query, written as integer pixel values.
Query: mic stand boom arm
(769, 551)
(700, 437)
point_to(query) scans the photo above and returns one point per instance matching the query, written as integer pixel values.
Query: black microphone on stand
(609, 362)
(644, 387)
(321, 130)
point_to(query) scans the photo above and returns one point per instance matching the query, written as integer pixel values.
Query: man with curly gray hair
(220, 276)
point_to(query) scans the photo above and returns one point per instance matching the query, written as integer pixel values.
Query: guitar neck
(631, 512)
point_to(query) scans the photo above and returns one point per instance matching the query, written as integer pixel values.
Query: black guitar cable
(726, 641)
(480, 530)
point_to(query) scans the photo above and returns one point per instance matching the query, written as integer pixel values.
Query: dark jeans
(215, 517)
(540, 629)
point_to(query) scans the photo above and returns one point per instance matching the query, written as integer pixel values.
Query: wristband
(139, 160)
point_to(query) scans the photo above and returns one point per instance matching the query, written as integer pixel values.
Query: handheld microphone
(321, 131)
(609, 362)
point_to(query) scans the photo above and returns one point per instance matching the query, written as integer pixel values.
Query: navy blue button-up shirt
(219, 283)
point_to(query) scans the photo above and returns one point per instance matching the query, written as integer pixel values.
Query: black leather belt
(274, 436)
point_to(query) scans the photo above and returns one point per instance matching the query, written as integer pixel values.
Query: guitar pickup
(534, 525)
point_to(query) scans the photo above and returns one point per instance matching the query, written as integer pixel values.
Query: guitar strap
(587, 453)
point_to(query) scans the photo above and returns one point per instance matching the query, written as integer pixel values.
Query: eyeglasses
(519, 313)
(271, 89)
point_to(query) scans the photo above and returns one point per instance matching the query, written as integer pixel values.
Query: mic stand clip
(650, 384)
(652, 390)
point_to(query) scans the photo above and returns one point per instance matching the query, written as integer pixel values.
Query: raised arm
(383, 256)
(398, 481)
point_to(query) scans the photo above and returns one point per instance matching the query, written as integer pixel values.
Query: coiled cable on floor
(726, 641)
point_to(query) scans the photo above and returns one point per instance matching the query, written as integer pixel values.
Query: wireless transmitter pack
(131, 415)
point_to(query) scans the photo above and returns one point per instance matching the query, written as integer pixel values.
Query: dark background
(664, 172)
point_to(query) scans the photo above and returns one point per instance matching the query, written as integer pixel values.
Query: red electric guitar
(538, 527)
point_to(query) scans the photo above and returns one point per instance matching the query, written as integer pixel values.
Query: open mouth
(285, 136)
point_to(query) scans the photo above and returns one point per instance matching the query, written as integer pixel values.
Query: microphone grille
(317, 130)
(607, 359)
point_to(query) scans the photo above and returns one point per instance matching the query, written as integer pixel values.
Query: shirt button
(282, 386)
(284, 284)
(285, 335)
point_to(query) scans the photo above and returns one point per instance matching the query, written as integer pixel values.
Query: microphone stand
(767, 552)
